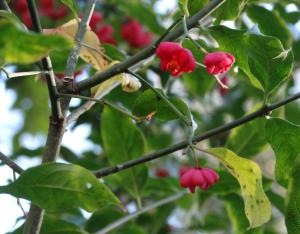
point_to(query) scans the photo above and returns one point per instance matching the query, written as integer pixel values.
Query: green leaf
(230, 10)
(24, 47)
(284, 138)
(248, 139)
(183, 4)
(196, 5)
(72, 5)
(123, 141)
(113, 52)
(58, 186)
(148, 103)
(261, 58)
(102, 218)
(292, 213)
(248, 174)
(226, 185)
(270, 23)
(236, 214)
(53, 225)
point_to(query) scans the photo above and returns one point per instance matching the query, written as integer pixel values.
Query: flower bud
(201, 177)
(130, 83)
(218, 62)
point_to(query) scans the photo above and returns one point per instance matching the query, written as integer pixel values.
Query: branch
(148, 51)
(74, 54)
(181, 145)
(129, 217)
(15, 167)
(46, 64)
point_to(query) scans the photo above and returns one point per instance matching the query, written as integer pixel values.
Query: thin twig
(129, 217)
(181, 145)
(15, 167)
(82, 27)
(103, 102)
(18, 199)
(148, 51)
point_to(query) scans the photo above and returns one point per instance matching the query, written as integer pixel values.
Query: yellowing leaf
(91, 52)
(248, 174)
(105, 87)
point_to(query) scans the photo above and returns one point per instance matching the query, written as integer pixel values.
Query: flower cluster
(176, 60)
(47, 8)
(201, 177)
(133, 33)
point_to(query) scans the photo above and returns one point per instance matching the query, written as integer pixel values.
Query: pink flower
(95, 19)
(133, 33)
(161, 172)
(106, 34)
(218, 62)
(174, 58)
(201, 177)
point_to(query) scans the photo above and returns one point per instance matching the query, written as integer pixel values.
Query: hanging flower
(132, 31)
(130, 83)
(218, 62)
(175, 59)
(201, 177)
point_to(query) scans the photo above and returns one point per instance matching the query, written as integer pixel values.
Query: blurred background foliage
(220, 209)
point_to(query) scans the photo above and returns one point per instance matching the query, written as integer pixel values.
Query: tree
(215, 99)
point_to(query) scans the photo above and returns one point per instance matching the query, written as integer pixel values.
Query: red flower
(26, 19)
(218, 62)
(201, 177)
(95, 19)
(223, 91)
(105, 34)
(161, 172)
(174, 58)
(133, 33)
